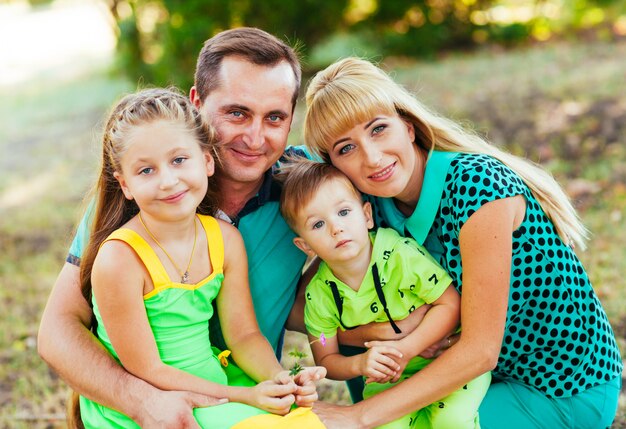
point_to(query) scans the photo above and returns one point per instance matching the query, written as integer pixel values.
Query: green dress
(178, 315)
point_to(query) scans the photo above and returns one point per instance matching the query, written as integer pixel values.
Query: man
(247, 83)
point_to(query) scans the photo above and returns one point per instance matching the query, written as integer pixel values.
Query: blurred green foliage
(159, 39)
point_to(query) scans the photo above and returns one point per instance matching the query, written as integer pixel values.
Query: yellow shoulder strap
(215, 242)
(147, 255)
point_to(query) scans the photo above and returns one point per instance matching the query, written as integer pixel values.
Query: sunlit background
(545, 79)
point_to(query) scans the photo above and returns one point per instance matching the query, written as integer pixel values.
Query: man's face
(251, 110)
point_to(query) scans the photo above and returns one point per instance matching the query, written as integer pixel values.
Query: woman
(504, 230)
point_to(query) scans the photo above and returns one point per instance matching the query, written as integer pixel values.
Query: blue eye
(318, 224)
(343, 212)
(378, 129)
(274, 118)
(345, 149)
(146, 170)
(238, 114)
(179, 160)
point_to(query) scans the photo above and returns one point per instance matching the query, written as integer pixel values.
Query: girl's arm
(118, 278)
(250, 349)
(376, 363)
(486, 248)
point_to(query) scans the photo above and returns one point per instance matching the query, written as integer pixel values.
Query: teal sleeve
(82, 236)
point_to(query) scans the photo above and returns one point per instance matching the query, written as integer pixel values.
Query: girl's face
(380, 157)
(164, 170)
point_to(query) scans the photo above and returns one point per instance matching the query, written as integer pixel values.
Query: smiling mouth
(246, 156)
(384, 173)
(174, 198)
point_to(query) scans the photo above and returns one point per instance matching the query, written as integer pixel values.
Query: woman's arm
(486, 248)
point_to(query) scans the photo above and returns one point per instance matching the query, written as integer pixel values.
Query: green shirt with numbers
(409, 277)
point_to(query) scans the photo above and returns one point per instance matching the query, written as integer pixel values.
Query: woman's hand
(380, 363)
(273, 397)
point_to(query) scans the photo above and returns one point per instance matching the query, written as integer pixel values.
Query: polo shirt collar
(418, 224)
(269, 191)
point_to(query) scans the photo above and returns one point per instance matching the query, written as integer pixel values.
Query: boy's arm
(439, 322)
(382, 331)
(67, 345)
(376, 363)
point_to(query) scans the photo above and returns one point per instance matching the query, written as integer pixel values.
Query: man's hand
(174, 410)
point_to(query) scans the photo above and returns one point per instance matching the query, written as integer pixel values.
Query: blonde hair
(112, 209)
(352, 91)
(301, 180)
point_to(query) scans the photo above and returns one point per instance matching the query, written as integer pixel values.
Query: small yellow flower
(223, 357)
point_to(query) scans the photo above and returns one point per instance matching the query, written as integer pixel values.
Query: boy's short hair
(301, 179)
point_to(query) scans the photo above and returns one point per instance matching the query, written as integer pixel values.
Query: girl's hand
(306, 392)
(273, 397)
(380, 363)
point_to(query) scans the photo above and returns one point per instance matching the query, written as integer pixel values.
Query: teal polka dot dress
(557, 336)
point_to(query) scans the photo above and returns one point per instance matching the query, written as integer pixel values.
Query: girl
(503, 229)
(155, 267)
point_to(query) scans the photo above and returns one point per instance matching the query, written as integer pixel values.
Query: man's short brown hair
(252, 44)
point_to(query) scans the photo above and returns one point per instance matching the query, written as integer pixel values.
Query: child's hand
(306, 392)
(380, 363)
(401, 362)
(274, 397)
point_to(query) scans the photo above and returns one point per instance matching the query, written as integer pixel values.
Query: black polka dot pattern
(557, 337)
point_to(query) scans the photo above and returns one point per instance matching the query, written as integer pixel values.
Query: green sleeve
(320, 311)
(433, 278)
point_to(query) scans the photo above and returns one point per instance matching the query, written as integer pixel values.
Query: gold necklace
(184, 276)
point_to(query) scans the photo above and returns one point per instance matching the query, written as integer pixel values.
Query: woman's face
(380, 157)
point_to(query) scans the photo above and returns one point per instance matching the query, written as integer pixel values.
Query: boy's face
(334, 224)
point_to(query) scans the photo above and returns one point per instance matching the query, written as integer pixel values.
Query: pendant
(185, 278)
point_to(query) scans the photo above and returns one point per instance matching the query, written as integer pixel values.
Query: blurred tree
(160, 39)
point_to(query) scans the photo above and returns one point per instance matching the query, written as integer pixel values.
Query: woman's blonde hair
(352, 91)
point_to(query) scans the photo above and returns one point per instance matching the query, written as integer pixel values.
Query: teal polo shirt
(274, 262)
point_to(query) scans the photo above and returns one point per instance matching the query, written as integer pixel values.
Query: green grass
(562, 105)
